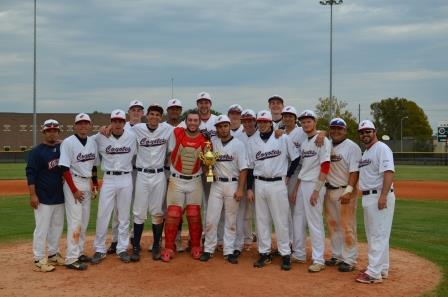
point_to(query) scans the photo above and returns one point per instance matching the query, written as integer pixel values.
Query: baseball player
(276, 107)
(309, 197)
(376, 174)
(79, 156)
(46, 197)
(268, 156)
(207, 119)
(135, 112)
(117, 152)
(341, 196)
(150, 187)
(234, 114)
(226, 191)
(185, 186)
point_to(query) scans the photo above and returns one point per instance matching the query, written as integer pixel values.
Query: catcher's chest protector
(185, 156)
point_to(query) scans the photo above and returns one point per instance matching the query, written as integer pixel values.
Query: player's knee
(174, 211)
(138, 220)
(193, 210)
(157, 219)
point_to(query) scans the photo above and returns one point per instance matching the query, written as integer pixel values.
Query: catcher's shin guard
(195, 228)
(174, 213)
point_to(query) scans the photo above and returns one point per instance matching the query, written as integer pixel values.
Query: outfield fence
(14, 157)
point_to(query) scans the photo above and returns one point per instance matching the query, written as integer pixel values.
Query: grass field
(403, 172)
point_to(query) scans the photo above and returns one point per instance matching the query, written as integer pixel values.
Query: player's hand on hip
(238, 195)
(79, 196)
(382, 202)
(250, 196)
(345, 199)
(34, 201)
(314, 197)
(278, 133)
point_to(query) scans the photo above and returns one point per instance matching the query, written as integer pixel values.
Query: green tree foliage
(184, 114)
(387, 115)
(339, 110)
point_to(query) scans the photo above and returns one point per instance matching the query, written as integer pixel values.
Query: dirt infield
(418, 190)
(187, 277)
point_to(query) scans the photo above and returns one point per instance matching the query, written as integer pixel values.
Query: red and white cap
(248, 114)
(50, 124)
(289, 109)
(307, 114)
(82, 117)
(222, 119)
(366, 124)
(235, 107)
(118, 114)
(264, 116)
(136, 103)
(174, 102)
(203, 95)
(275, 97)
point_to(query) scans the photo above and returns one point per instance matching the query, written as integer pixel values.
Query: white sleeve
(354, 158)
(64, 158)
(171, 142)
(386, 159)
(325, 151)
(293, 152)
(243, 163)
(250, 157)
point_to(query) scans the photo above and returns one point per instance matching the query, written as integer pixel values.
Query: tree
(338, 107)
(388, 114)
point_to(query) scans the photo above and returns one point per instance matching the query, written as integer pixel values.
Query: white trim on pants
(49, 225)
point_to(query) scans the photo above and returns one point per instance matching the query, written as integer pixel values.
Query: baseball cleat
(156, 253)
(333, 262)
(231, 258)
(77, 265)
(124, 257)
(237, 253)
(344, 267)
(384, 273)
(98, 257)
(166, 255)
(205, 256)
(296, 259)
(135, 257)
(286, 263)
(56, 260)
(43, 266)
(112, 249)
(263, 260)
(367, 279)
(84, 259)
(316, 267)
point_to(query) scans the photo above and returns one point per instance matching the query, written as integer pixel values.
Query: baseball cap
(235, 107)
(366, 124)
(222, 119)
(136, 103)
(50, 124)
(118, 114)
(338, 122)
(275, 97)
(289, 109)
(203, 95)
(248, 114)
(307, 114)
(174, 102)
(155, 107)
(82, 117)
(264, 115)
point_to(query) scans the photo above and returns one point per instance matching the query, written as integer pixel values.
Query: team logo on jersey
(53, 163)
(308, 154)
(363, 163)
(225, 158)
(84, 158)
(152, 142)
(267, 155)
(118, 150)
(297, 144)
(335, 158)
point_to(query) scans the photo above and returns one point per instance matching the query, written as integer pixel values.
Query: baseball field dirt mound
(184, 276)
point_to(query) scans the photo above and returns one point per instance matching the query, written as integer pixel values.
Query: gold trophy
(209, 159)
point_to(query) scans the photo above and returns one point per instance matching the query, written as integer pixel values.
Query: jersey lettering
(363, 163)
(84, 158)
(53, 163)
(117, 150)
(267, 155)
(308, 154)
(154, 142)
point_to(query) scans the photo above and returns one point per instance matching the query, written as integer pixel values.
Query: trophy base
(210, 179)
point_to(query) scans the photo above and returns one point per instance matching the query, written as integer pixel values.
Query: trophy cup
(209, 159)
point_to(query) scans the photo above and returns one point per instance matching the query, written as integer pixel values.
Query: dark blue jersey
(43, 172)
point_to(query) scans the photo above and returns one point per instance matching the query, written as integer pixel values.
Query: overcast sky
(100, 54)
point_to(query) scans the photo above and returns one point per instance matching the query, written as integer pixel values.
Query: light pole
(331, 3)
(34, 82)
(172, 87)
(401, 131)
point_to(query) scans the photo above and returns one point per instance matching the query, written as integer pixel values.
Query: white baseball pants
(182, 192)
(150, 191)
(271, 205)
(291, 185)
(243, 224)
(49, 224)
(306, 214)
(116, 192)
(221, 196)
(378, 224)
(77, 218)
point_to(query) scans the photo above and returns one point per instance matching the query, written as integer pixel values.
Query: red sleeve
(325, 167)
(69, 180)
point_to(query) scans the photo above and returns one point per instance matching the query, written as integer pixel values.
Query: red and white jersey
(312, 157)
(374, 162)
(79, 158)
(298, 136)
(237, 133)
(344, 158)
(117, 153)
(271, 158)
(232, 158)
(152, 146)
(208, 125)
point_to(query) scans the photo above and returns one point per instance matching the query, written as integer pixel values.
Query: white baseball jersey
(277, 125)
(152, 146)
(298, 136)
(345, 158)
(79, 158)
(128, 126)
(208, 125)
(312, 157)
(270, 159)
(374, 162)
(232, 158)
(237, 133)
(117, 153)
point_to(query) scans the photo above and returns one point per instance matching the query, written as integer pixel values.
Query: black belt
(80, 176)
(167, 167)
(368, 192)
(269, 179)
(116, 172)
(184, 176)
(331, 187)
(148, 170)
(226, 179)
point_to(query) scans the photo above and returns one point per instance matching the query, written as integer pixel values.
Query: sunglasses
(362, 132)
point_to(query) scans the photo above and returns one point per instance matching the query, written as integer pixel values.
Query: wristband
(348, 190)
(319, 184)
